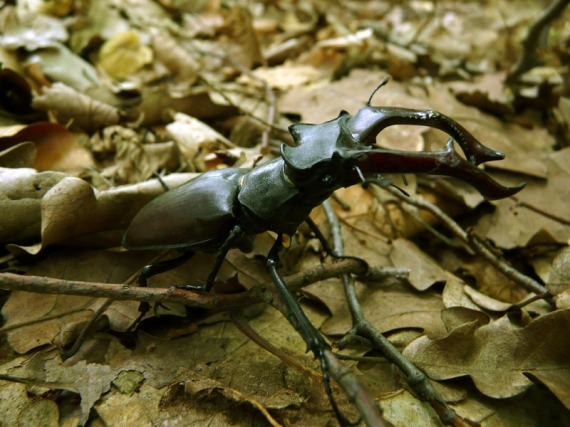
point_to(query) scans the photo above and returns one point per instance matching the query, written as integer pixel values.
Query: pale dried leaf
(86, 113)
(488, 93)
(108, 210)
(512, 225)
(124, 54)
(559, 279)
(175, 58)
(17, 407)
(192, 135)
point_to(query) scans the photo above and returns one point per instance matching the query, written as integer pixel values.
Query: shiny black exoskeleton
(226, 208)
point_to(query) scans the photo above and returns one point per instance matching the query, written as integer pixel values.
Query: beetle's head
(323, 154)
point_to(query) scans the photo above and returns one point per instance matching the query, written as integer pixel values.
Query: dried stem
(362, 327)
(531, 43)
(270, 99)
(475, 243)
(259, 293)
(240, 321)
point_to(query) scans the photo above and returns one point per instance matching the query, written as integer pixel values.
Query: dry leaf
(175, 58)
(21, 195)
(424, 271)
(85, 112)
(109, 210)
(124, 54)
(500, 355)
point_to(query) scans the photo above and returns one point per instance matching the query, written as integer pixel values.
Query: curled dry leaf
(70, 105)
(31, 31)
(18, 156)
(16, 96)
(63, 66)
(92, 212)
(243, 46)
(501, 356)
(21, 195)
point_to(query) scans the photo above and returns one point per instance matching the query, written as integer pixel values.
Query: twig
(270, 99)
(356, 393)
(244, 327)
(343, 376)
(81, 337)
(362, 327)
(541, 211)
(230, 102)
(531, 43)
(475, 243)
(259, 293)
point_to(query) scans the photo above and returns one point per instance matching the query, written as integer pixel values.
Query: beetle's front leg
(314, 340)
(312, 337)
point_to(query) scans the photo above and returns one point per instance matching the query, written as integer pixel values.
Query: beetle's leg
(162, 266)
(312, 337)
(314, 340)
(320, 236)
(151, 270)
(235, 234)
(326, 246)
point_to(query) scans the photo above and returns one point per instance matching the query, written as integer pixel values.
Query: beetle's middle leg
(326, 245)
(236, 233)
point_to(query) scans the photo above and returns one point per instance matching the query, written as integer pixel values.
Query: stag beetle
(225, 209)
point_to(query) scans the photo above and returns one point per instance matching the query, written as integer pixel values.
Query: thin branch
(541, 211)
(356, 393)
(475, 243)
(240, 321)
(362, 327)
(83, 334)
(258, 293)
(270, 99)
(531, 43)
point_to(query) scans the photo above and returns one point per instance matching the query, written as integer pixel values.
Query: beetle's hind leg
(312, 337)
(152, 270)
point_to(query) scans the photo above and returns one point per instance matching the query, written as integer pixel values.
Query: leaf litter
(116, 92)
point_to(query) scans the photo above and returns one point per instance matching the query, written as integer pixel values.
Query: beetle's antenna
(382, 83)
